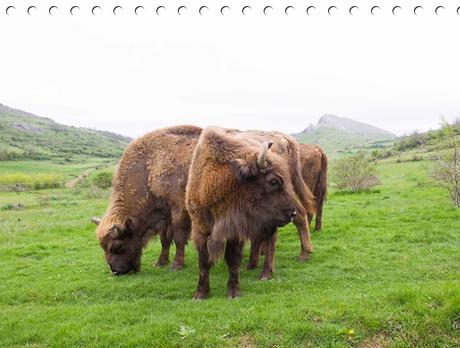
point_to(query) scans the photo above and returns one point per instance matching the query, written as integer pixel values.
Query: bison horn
(262, 158)
(95, 220)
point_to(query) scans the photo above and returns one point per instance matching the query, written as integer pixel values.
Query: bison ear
(244, 171)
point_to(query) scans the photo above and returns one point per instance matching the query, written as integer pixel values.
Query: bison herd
(219, 187)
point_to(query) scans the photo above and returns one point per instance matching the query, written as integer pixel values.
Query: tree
(446, 170)
(354, 173)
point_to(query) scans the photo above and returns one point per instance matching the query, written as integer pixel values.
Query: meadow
(385, 273)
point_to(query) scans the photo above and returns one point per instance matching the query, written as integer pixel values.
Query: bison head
(122, 245)
(265, 185)
(245, 186)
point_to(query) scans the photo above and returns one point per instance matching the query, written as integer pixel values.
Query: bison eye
(116, 248)
(275, 184)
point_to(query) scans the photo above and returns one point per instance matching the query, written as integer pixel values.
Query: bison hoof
(200, 295)
(233, 293)
(266, 276)
(177, 266)
(304, 257)
(161, 263)
(250, 266)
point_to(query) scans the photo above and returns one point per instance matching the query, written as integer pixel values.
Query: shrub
(446, 171)
(354, 173)
(103, 180)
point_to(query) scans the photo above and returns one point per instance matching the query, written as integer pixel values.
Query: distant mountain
(336, 134)
(27, 136)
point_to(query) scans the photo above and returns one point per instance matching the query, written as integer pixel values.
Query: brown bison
(238, 189)
(313, 162)
(148, 198)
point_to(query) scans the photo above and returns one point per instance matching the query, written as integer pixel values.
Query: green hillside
(24, 136)
(335, 142)
(339, 135)
(414, 147)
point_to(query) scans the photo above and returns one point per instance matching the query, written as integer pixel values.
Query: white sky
(130, 74)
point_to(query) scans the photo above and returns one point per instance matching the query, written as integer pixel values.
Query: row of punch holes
(310, 10)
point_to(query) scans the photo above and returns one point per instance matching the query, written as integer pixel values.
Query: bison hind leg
(254, 254)
(166, 239)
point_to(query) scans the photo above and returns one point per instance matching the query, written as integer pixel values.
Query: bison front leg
(165, 245)
(233, 256)
(269, 262)
(254, 254)
(204, 265)
(306, 247)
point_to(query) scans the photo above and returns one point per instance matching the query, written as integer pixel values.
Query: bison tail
(307, 199)
(320, 191)
(216, 249)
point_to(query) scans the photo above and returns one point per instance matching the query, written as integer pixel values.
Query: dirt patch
(246, 341)
(378, 341)
(74, 182)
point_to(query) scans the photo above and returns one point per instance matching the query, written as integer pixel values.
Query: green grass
(49, 167)
(385, 272)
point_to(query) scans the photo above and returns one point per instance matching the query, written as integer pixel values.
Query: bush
(446, 171)
(103, 180)
(354, 173)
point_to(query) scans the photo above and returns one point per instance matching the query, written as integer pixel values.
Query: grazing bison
(313, 161)
(238, 189)
(148, 198)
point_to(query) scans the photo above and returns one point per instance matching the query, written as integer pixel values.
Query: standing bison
(313, 161)
(238, 189)
(148, 198)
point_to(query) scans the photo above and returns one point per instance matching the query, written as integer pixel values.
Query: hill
(416, 146)
(337, 134)
(27, 136)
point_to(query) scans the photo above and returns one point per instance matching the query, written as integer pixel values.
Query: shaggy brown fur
(314, 172)
(232, 195)
(313, 162)
(148, 197)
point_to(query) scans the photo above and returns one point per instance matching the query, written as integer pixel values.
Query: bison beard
(237, 190)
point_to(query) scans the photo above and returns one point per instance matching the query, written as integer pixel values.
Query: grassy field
(385, 272)
(45, 167)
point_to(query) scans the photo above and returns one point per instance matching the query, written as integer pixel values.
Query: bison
(148, 198)
(313, 163)
(237, 190)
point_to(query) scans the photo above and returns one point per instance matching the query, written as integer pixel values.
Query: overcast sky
(130, 74)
